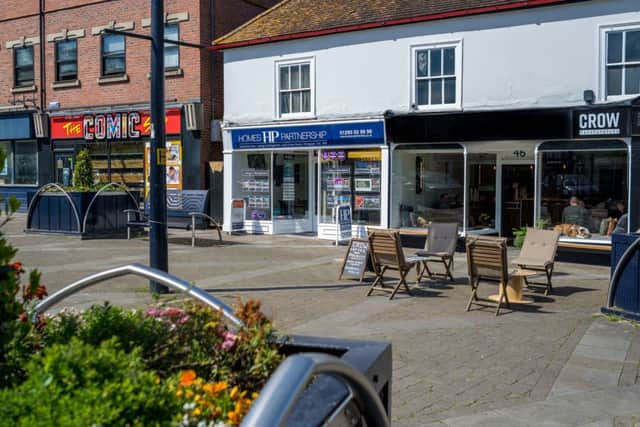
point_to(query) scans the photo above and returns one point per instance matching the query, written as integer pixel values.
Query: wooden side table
(514, 287)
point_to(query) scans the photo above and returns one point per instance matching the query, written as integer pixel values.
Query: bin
(626, 298)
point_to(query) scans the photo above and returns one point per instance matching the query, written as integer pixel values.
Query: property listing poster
(173, 166)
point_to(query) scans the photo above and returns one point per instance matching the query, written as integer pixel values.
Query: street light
(158, 247)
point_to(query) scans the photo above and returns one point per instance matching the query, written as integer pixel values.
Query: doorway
(64, 161)
(518, 182)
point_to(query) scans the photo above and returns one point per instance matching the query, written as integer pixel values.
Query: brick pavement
(447, 363)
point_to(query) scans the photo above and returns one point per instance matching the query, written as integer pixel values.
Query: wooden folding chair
(538, 254)
(387, 254)
(487, 261)
(440, 247)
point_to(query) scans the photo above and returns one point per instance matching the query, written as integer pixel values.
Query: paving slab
(448, 363)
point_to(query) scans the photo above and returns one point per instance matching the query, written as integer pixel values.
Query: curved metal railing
(142, 271)
(95, 197)
(60, 189)
(617, 272)
(278, 397)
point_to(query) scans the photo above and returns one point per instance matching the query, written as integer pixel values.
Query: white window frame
(457, 45)
(312, 83)
(602, 59)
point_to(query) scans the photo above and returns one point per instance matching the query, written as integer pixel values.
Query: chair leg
(549, 271)
(448, 265)
(402, 281)
(474, 291)
(503, 294)
(379, 279)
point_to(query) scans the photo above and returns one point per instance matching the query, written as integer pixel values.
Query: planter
(90, 214)
(624, 288)
(285, 399)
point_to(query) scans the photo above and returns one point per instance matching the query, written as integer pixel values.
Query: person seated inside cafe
(575, 213)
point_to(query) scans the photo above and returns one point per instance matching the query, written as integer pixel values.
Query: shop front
(290, 178)
(27, 163)
(495, 172)
(118, 143)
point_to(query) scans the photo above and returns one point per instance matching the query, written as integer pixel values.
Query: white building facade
(492, 120)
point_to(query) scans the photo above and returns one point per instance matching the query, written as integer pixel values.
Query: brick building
(65, 86)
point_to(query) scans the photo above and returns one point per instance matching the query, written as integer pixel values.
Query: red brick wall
(202, 79)
(12, 30)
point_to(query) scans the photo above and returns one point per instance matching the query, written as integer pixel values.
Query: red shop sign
(111, 126)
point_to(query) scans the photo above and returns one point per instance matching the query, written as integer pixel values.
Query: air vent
(193, 116)
(41, 125)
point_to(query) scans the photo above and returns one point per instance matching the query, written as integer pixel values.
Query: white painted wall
(532, 58)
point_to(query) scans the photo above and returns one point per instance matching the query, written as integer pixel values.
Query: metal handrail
(59, 188)
(153, 274)
(95, 197)
(288, 382)
(617, 272)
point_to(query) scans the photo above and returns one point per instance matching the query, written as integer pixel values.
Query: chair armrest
(202, 215)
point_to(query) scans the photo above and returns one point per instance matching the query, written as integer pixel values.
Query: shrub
(83, 172)
(80, 384)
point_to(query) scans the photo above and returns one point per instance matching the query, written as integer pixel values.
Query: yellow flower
(197, 397)
(199, 381)
(196, 412)
(179, 393)
(234, 418)
(187, 377)
(254, 395)
(208, 387)
(157, 380)
(189, 394)
(238, 407)
(217, 412)
(234, 392)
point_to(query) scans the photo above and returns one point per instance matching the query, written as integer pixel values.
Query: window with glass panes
(435, 76)
(623, 63)
(23, 62)
(294, 88)
(66, 60)
(113, 55)
(171, 51)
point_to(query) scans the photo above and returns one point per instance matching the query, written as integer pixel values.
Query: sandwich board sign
(356, 261)
(343, 223)
(237, 215)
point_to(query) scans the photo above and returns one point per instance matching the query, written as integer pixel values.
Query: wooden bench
(186, 210)
(604, 248)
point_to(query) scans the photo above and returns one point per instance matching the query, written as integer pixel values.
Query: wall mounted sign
(111, 126)
(355, 133)
(600, 122)
(343, 223)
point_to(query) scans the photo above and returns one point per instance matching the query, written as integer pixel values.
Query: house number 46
(520, 153)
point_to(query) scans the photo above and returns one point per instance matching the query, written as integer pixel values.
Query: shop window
(113, 55)
(66, 60)
(252, 175)
(171, 51)
(351, 177)
(21, 164)
(436, 76)
(295, 94)
(23, 64)
(583, 193)
(623, 62)
(427, 186)
(121, 162)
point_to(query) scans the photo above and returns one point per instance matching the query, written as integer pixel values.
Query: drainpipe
(43, 80)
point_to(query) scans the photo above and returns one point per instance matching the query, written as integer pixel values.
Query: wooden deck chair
(538, 254)
(487, 261)
(387, 254)
(440, 247)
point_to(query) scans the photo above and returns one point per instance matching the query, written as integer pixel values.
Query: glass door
(64, 161)
(481, 178)
(517, 197)
(291, 185)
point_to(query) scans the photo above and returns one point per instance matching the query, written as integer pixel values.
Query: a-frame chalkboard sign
(356, 260)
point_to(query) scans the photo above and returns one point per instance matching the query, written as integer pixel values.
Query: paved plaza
(554, 362)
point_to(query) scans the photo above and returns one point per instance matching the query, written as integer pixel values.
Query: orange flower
(234, 392)
(187, 377)
(17, 266)
(234, 418)
(23, 317)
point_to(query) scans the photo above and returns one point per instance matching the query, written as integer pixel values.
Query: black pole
(158, 250)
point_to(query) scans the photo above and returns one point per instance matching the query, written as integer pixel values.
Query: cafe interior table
(514, 287)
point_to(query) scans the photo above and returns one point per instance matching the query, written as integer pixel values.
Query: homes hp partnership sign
(111, 126)
(355, 133)
(597, 123)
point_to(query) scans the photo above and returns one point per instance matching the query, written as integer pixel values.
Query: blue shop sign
(355, 133)
(16, 126)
